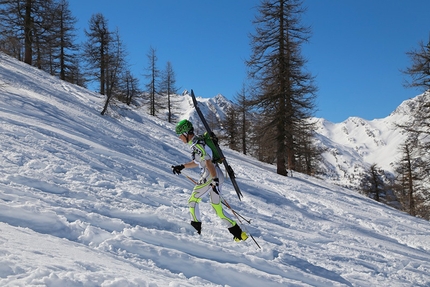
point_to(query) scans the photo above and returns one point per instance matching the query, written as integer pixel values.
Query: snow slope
(90, 200)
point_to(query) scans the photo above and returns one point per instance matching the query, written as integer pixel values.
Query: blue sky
(356, 51)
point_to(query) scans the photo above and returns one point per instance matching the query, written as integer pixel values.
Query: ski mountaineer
(211, 179)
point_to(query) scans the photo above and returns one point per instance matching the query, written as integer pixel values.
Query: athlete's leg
(216, 201)
(193, 204)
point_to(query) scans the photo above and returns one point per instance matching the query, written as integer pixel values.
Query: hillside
(87, 200)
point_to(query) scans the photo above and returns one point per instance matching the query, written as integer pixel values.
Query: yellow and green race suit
(201, 154)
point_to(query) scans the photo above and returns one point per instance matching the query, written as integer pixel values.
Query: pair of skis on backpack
(218, 149)
(228, 168)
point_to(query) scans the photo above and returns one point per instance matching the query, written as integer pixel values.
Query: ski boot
(197, 225)
(238, 233)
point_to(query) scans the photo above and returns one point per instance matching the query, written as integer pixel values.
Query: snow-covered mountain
(355, 144)
(90, 200)
(214, 109)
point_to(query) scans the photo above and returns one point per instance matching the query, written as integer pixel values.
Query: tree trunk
(28, 41)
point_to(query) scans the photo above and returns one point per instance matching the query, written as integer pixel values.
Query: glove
(177, 168)
(215, 185)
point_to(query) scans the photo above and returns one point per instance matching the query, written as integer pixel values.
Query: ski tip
(240, 195)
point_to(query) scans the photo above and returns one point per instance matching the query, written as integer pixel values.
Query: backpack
(211, 141)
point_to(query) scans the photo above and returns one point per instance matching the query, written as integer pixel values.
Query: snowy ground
(90, 200)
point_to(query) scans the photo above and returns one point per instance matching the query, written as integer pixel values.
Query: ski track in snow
(90, 200)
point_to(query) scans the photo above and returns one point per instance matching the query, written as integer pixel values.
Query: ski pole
(195, 182)
(223, 202)
(234, 211)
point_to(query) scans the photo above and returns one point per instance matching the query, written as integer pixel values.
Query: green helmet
(184, 126)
